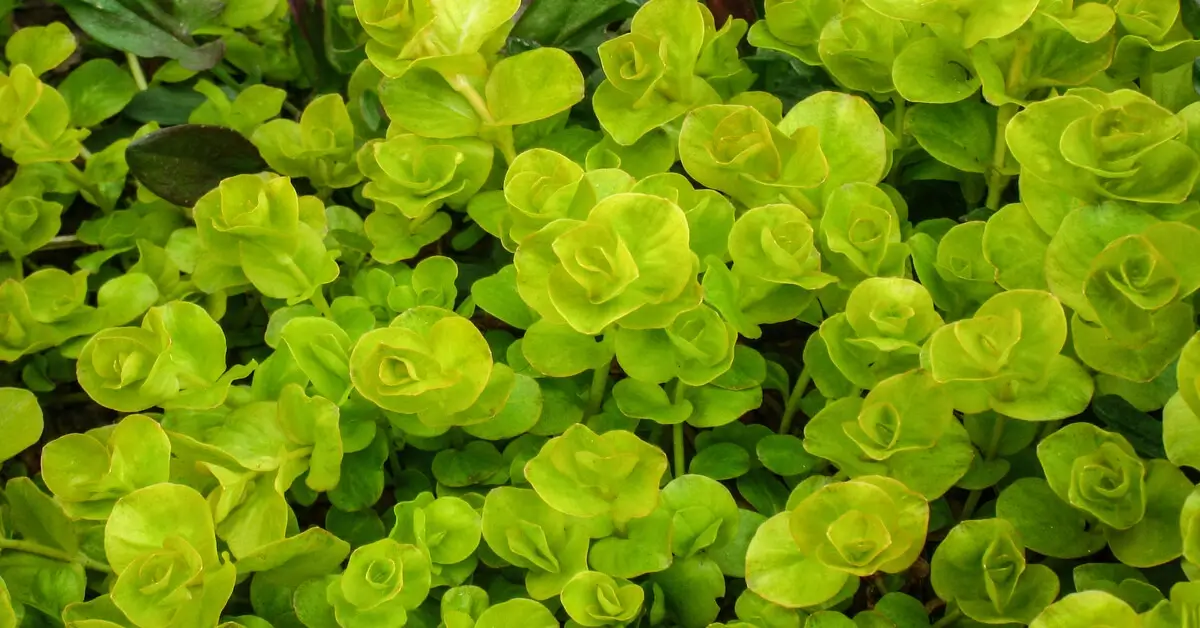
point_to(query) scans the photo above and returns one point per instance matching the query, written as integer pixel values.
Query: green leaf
(42, 48)
(164, 33)
(183, 163)
(21, 421)
(722, 461)
(96, 91)
(532, 86)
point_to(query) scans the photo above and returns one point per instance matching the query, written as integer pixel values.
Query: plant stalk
(989, 455)
(29, 547)
(677, 446)
(997, 181)
(793, 401)
(680, 457)
(319, 302)
(597, 390)
(135, 68)
(898, 130)
(949, 618)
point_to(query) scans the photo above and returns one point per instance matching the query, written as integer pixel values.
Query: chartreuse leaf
(42, 48)
(981, 567)
(22, 420)
(585, 474)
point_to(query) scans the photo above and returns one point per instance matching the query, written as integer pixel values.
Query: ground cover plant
(490, 313)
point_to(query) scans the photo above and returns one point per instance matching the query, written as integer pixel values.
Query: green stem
(898, 130)
(950, 617)
(1048, 428)
(19, 267)
(318, 301)
(996, 179)
(596, 392)
(793, 402)
(76, 176)
(989, 455)
(223, 75)
(29, 547)
(135, 68)
(680, 457)
(677, 445)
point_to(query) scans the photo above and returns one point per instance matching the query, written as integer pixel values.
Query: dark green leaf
(1144, 432)
(182, 163)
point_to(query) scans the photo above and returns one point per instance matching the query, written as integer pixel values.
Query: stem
(997, 180)
(29, 547)
(76, 176)
(19, 265)
(318, 300)
(677, 444)
(223, 75)
(680, 457)
(897, 130)
(989, 455)
(596, 392)
(135, 69)
(793, 402)
(1048, 428)
(950, 617)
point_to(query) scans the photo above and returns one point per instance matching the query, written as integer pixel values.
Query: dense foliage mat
(491, 314)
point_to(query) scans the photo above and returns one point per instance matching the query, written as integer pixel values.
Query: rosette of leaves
(954, 267)
(794, 27)
(175, 358)
(1079, 142)
(1139, 503)
(160, 543)
(738, 151)
(1154, 38)
(651, 72)
(710, 215)
(410, 178)
(431, 363)
(905, 429)
(860, 234)
(776, 266)
(595, 599)
(1007, 358)
(614, 475)
(48, 307)
(383, 582)
(526, 532)
(1127, 276)
(446, 528)
(447, 52)
(88, 472)
(402, 34)
(628, 263)
(320, 147)
(257, 230)
(880, 334)
(27, 220)
(980, 567)
(36, 123)
(697, 347)
(541, 186)
(836, 533)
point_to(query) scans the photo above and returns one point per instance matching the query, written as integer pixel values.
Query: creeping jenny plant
(591, 313)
